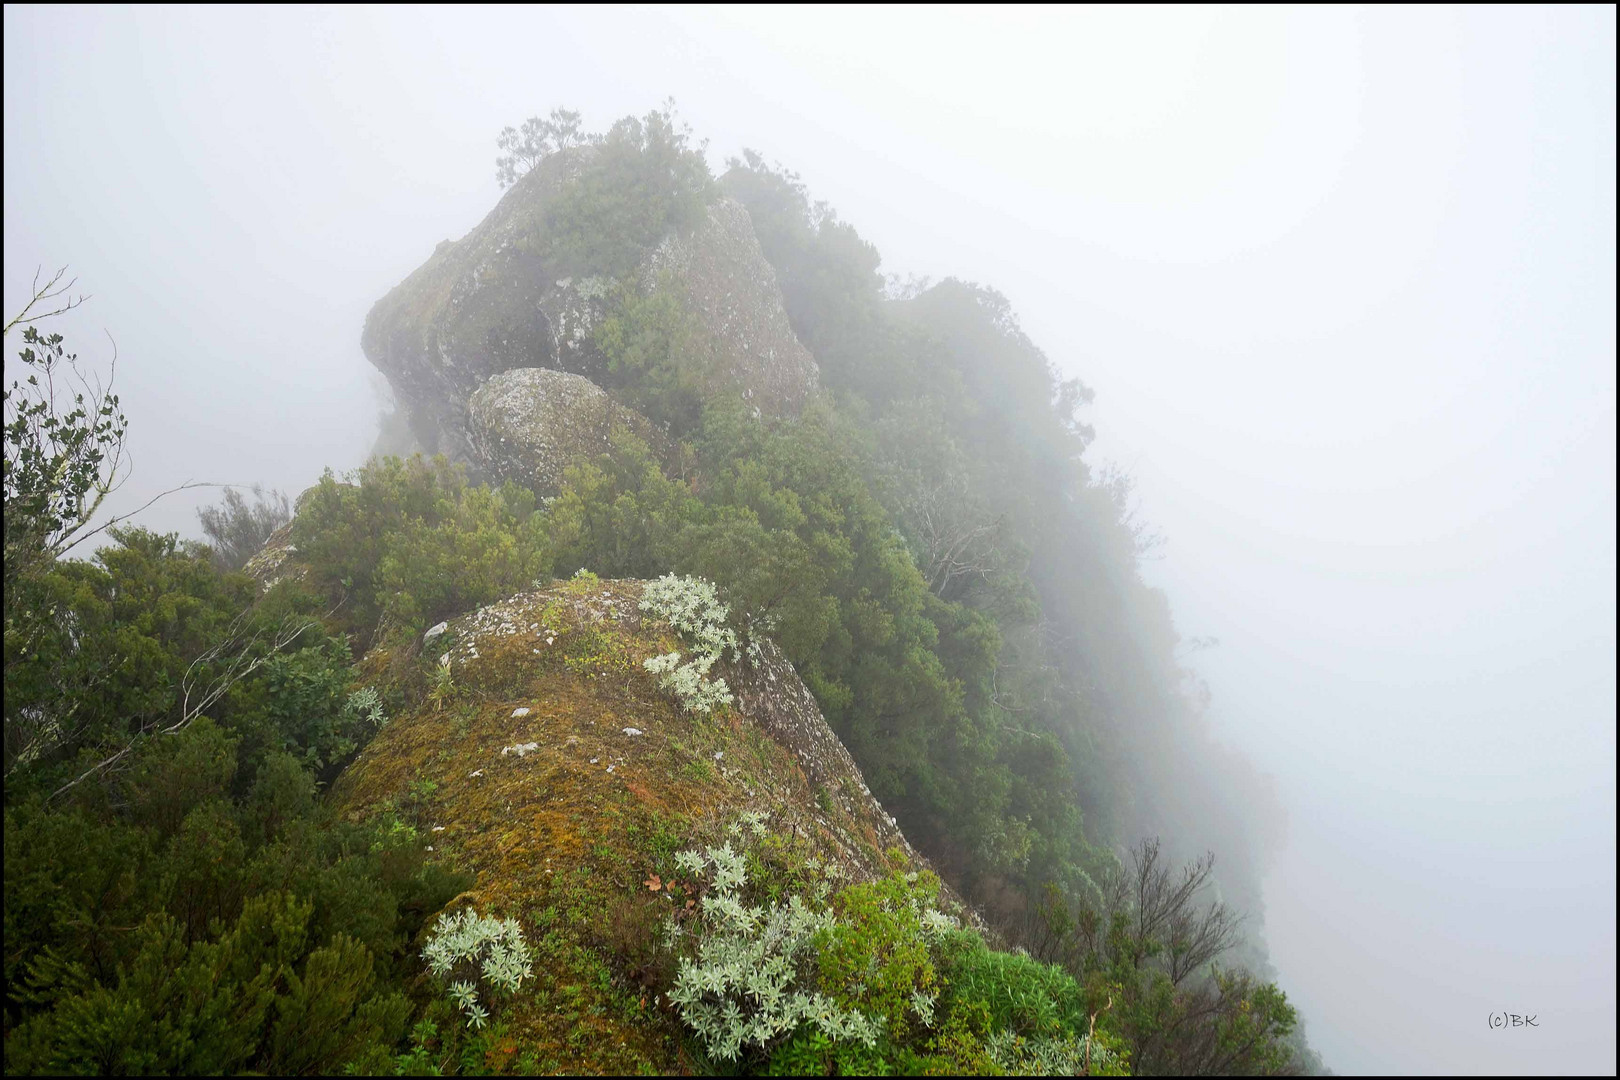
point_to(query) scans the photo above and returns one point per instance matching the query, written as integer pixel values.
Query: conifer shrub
(408, 543)
(254, 996)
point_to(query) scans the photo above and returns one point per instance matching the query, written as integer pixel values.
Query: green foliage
(1010, 991)
(199, 933)
(1232, 1024)
(1067, 1056)
(639, 181)
(137, 933)
(1147, 941)
(538, 138)
(114, 646)
(304, 702)
(776, 976)
(253, 994)
(409, 543)
(60, 460)
(176, 776)
(485, 952)
(619, 514)
(877, 955)
(649, 338)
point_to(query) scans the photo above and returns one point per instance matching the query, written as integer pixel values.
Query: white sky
(1343, 282)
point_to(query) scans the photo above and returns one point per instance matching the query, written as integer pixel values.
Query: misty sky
(1343, 282)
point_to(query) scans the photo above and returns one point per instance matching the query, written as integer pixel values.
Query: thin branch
(50, 291)
(188, 485)
(244, 663)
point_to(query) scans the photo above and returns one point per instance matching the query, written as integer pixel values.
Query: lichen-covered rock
(277, 560)
(529, 424)
(573, 308)
(275, 563)
(486, 304)
(743, 339)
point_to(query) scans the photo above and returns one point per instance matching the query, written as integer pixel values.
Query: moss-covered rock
(548, 763)
(529, 424)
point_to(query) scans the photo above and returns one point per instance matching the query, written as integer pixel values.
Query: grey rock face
(573, 308)
(276, 561)
(744, 340)
(529, 424)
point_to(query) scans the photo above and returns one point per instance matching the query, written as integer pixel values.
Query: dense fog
(1343, 283)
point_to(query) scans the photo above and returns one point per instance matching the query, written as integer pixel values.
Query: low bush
(779, 973)
(470, 952)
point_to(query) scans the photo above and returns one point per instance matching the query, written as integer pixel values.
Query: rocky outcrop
(487, 304)
(278, 559)
(529, 424)
(515, 647)
(470, 312)
(573, 308)
(275, 561)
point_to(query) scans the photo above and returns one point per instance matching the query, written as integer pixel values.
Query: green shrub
(485, 952)
(877, 957)
(409, 543)
(1011, 991)
(651, 341)
(254, 995)
(747, 984)
(643, 178)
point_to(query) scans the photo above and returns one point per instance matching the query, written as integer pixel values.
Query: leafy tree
(408, 543)
(62, 458)
(1149, 941)
(64, 442)
(525, 147)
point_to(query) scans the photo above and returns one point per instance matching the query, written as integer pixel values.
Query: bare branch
(188, 485)
(49, 291)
